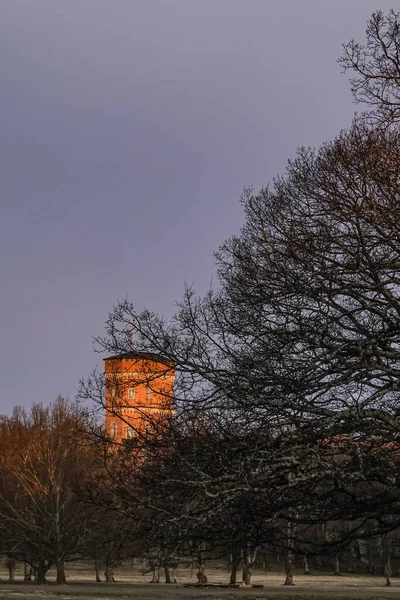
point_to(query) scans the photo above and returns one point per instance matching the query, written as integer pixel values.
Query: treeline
(286, 435)
(44, 459)
(179, 493)
(51, 459)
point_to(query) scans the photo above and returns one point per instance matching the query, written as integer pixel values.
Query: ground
(131, 584)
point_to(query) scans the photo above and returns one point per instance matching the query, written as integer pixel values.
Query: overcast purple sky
(128, 131)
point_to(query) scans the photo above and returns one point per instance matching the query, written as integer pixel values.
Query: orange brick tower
(139, 390)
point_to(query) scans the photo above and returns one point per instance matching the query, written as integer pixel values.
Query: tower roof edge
(134, 354)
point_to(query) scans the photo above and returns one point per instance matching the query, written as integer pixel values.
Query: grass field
(130, 583)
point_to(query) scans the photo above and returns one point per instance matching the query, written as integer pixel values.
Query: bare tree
(375, 66)
(293, 363)
(43, 460)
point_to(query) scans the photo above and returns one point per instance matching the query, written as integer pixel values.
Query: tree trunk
(109, 574)
(97, 570)
(11, 563)
(352, 557)
(234, 566)
(27, 572)
(265, 562)
(388, 563)
(305, 565)
(40, 572)
(174, 568)
(167, 573)
(289, 568)
(249, 559)
(156, 575)
(388, 571)
(201, 575)
(289, 559)
(337, 565)
(247, 571)
(61, 579)
(371, 562)
(357, 552)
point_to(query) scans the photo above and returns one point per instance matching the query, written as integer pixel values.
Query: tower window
(113, 431)
(131, 393)
(149, 393)
(130, 432)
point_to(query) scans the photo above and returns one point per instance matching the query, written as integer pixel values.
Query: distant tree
(109, 537)
(43, 459)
